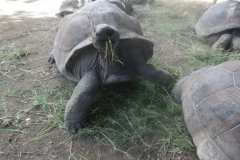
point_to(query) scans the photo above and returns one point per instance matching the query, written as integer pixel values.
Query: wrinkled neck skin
(110, 63)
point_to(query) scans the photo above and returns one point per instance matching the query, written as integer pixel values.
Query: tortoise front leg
(51, 59)
(154, 74)
(236, 39)
(223, 42)
(80, 102)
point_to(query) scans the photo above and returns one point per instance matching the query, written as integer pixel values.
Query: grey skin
(91, 67)
(219, 26)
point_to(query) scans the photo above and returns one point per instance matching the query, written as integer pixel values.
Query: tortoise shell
(211, 106)
(75, 32)
(220, 17)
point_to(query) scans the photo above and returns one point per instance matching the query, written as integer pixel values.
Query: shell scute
(218, 113)
(74, 30)
(211, 82)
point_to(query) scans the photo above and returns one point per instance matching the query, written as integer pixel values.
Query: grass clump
(9, 54)
(19, 93)
(172, 18)
(202, 55)
(165, 14)
(127, 114)
(19, 53)
(168, 30)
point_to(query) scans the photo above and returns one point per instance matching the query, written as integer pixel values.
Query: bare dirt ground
(35, 24)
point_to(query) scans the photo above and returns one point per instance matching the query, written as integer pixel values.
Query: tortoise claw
(74, 127)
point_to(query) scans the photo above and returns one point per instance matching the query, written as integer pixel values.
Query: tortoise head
(176, 93)
(105, 40)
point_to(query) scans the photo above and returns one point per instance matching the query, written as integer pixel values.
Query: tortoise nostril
(110, 32)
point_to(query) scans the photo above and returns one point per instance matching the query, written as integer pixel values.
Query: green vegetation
(179, 19)
(19, 53)
(125, 115)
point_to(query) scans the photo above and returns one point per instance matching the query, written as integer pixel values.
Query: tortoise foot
(156, 75)
(74, 126)
(51, 59)
(223, 42)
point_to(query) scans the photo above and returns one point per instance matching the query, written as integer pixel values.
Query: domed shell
(221, 16)
(211, 106)
(75, 31)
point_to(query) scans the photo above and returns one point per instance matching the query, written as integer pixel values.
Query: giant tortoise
(211, 105)
(220, 25)
(100, 45)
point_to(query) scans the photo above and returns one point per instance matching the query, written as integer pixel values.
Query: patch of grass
(177, 9)
(13, 130)
(19, 53)
(19, 93)
(42, 134)
(9, 57)
(40, 100)
(202, 55)
(165, 14)
(51, 102)
(167, 29)
(128, 113)
(173, 16)
(77, 156)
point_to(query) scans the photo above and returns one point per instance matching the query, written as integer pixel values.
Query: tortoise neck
(110, 61)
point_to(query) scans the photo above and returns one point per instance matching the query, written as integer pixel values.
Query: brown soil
(21, 25)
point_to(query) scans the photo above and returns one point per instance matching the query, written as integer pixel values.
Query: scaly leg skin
(223, 42)
(117, 78)
(154, 74)
(80, 102)
(236, 42)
